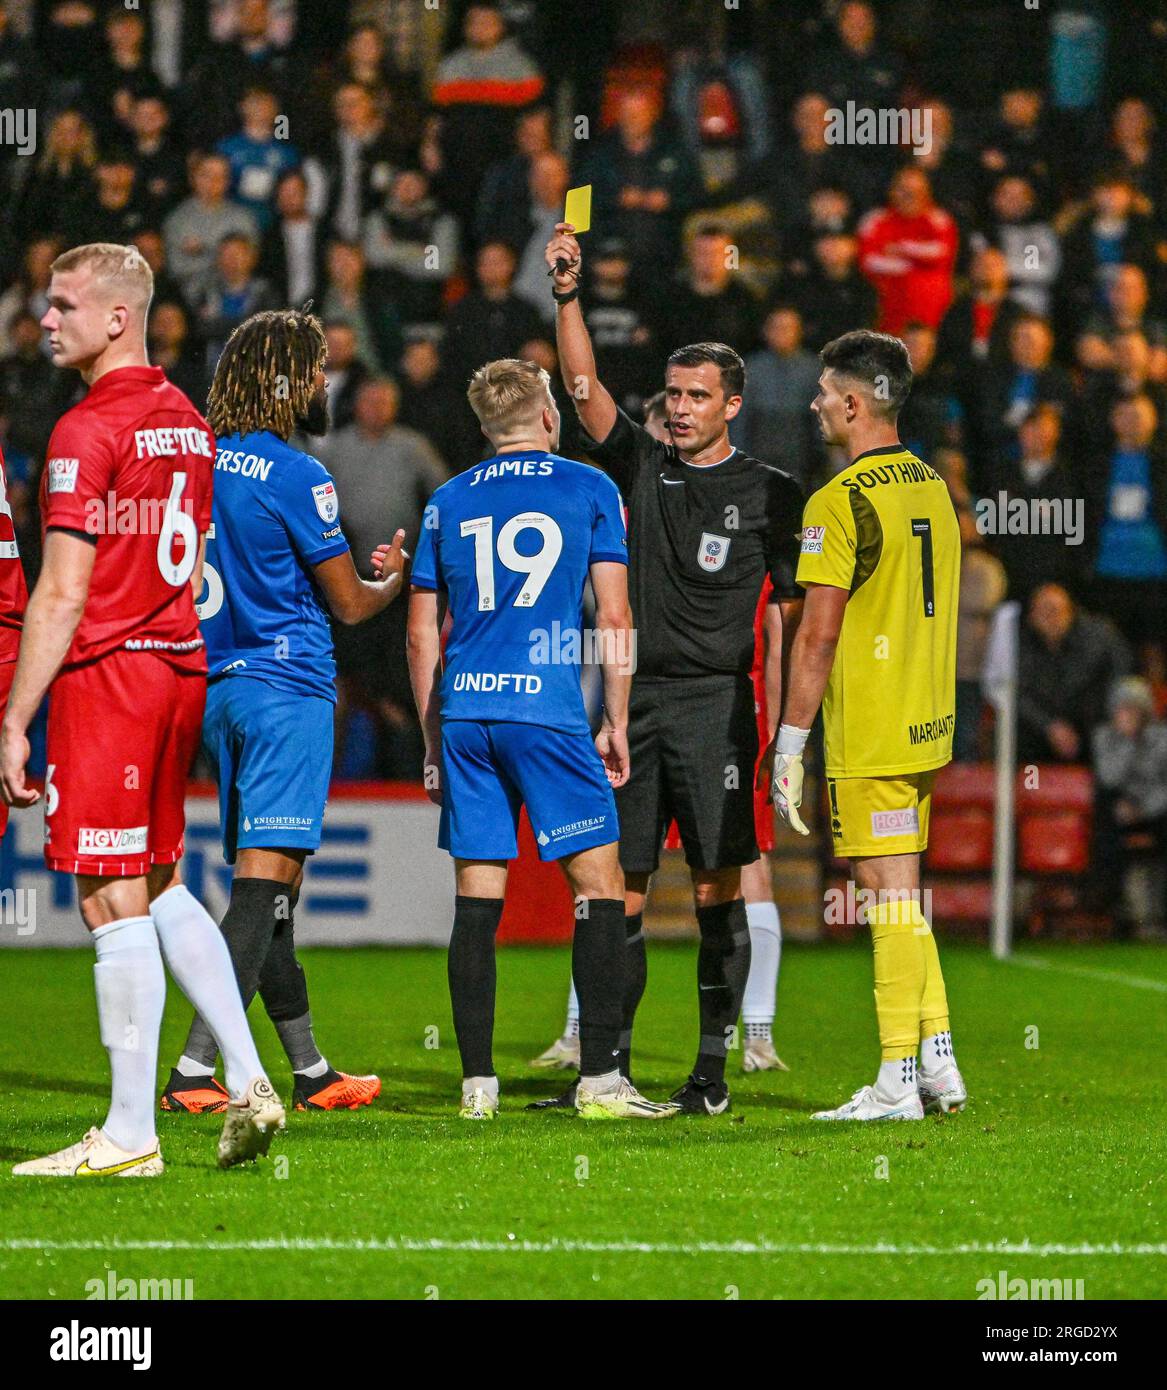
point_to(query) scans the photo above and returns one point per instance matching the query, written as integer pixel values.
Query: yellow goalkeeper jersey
(885, 529)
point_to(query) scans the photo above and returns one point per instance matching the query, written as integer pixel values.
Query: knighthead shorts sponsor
(490, 770)
(271, 754)
(880, 815)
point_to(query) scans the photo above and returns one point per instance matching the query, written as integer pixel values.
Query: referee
(706, 525)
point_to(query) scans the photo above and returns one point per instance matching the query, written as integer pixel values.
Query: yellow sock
(934, 1003)
(899, 978)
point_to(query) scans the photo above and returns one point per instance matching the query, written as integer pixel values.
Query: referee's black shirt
(700, 543)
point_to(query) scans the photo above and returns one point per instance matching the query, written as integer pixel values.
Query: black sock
(470, 967)
(257, 906)
(284, 992)
(723, 963)
(597, 967)
(635, 979)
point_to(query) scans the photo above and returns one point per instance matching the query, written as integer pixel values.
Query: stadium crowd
(402, 165)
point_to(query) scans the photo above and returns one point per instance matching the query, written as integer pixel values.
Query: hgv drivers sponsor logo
(94, 841)
(63, 475)
(812, 539)
(885, 823)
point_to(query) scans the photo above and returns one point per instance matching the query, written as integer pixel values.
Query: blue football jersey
(275, 515)
(510, 542)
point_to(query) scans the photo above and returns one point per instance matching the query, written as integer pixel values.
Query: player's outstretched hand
(563, 247)
(786, 790)
(14, 753)
(612, 746)
(391, 559)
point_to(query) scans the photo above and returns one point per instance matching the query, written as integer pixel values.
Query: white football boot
(759, 1055)
(250, 1123)
(562, 1055)
(622, 1102)
(94, 1157)
(479, 1098)
(942, 1091)
(867, 1104)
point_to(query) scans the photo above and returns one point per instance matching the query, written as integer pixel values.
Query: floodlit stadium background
(745, 190)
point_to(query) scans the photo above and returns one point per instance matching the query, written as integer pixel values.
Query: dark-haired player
(277, 563)
(880, 564)
(707, 524)
(759, 1001)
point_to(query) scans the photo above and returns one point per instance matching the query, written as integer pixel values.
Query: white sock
(936, 1053)
(571, 1027)
(131, 993)
(896, 1079)
(190, 1066)
(489, 1084)
(598, 1085)
(765, 957)
(317, 1069)
(196, 952)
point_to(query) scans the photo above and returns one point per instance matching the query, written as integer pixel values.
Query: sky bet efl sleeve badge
(327, 506)
(713, 553)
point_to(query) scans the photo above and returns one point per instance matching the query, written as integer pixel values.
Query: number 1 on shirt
(923, 529)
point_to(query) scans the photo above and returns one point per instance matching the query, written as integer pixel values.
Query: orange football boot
(193, 1095)
(335, 1090)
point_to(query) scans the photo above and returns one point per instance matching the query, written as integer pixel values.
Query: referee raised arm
(706, 525)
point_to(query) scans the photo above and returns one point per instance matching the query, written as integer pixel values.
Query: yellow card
(578, 208)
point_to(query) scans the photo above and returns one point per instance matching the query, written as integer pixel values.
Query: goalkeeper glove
(786, 780)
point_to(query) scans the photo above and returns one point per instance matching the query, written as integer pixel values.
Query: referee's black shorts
(693, 743)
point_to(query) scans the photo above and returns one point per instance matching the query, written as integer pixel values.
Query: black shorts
(693, 743)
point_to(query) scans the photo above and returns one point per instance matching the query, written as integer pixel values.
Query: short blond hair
(508, 393)
(122, 269)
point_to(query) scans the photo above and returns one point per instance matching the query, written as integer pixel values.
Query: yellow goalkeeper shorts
(880, 815)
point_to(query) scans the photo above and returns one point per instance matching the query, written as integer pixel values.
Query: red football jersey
(133, 464)
(13, 590)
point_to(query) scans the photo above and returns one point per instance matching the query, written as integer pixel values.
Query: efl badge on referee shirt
(714, 552)
(324, 495)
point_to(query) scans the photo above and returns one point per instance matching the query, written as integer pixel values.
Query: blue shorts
(490, 770)
(271, 754)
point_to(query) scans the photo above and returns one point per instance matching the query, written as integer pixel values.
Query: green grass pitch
(1063, 1146)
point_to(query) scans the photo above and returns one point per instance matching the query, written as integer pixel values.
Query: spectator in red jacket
(907, 250)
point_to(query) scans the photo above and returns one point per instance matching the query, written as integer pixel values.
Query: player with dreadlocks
(277, 564)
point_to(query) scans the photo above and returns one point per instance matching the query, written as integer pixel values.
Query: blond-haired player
(508, 545)
(111, 626)
(880, 565)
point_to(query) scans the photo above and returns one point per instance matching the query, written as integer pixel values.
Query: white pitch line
(407, 1244)
(1113, 977)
